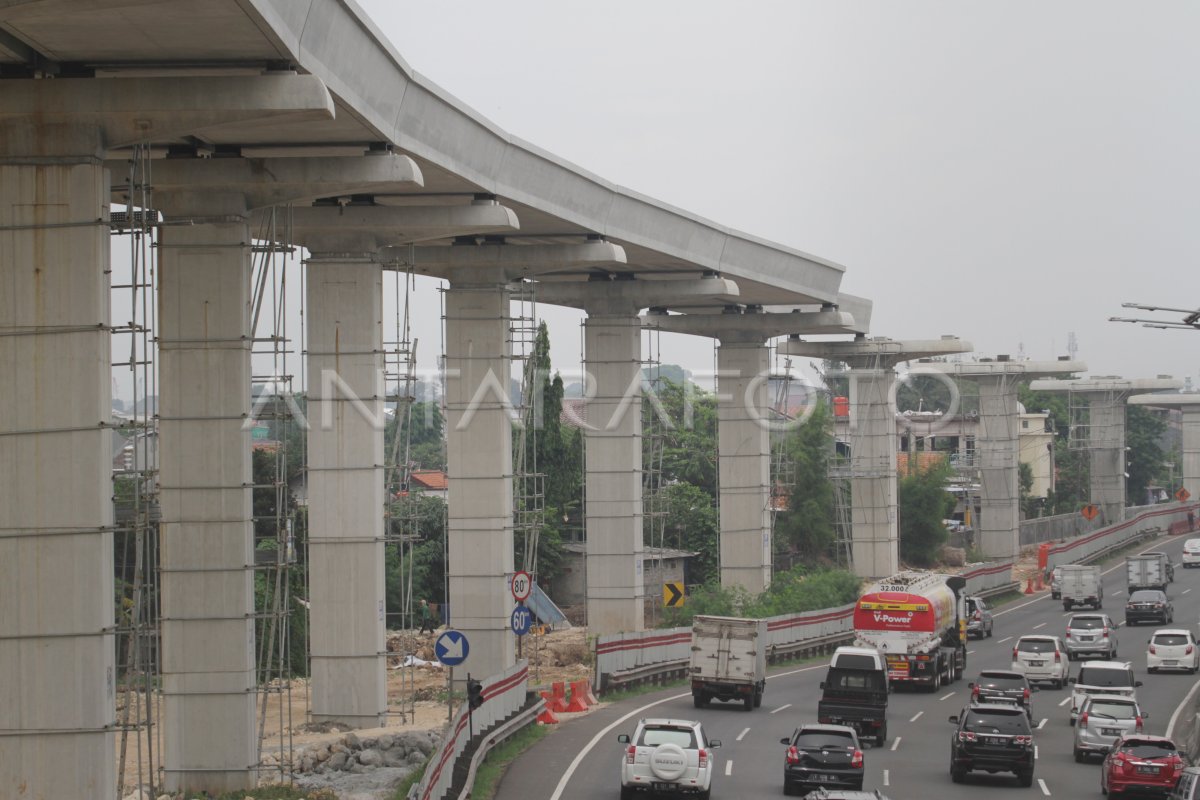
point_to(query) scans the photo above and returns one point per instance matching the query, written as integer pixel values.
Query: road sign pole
(450, 696)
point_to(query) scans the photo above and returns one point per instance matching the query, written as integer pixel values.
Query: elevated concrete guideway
(244, 105)
(1189, 404)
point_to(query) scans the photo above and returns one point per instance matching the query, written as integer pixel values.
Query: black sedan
(1149, 605)
(822, 755)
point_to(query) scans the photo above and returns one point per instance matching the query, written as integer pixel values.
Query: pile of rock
(368, 767)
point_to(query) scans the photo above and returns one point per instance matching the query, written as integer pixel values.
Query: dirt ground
(416, 700)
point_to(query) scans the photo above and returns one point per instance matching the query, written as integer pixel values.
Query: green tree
(692, 524)
(806, 529)
(923, 504)
(1143, 434)
(421, 519)
(689, 417)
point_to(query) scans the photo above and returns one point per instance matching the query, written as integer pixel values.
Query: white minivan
(1191, 553)
(1101, 677)
(1041, 658)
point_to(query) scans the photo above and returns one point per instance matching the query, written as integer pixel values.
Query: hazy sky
(1007, 172)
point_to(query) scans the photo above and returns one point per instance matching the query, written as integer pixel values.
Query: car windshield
(1192, 544)
(1010, 723)
(1086, 623)
(1170, 639)
(972, 605)
(653, 737)
(1146, 596)
(1099, 676)
(1003, 683)
(1036, 645)
(823, 740)
(1111, 710)
(1142, 749)
(856, 680)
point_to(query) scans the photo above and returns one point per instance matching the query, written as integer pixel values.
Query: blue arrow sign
(451, 648)
(521, 620)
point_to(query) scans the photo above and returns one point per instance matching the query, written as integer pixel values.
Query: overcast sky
(1006, 172)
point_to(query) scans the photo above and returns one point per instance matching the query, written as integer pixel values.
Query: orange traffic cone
(546, 718)
(584, 690)
(1029, 586)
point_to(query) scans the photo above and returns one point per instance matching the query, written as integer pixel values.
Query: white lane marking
(896, 743)
(1040, 625)
(742, 735)
(1005, 639)
(729, 767)
(885, 778)
(781, 708)
(1185, 591)
(1042, 724)
(916, 716)
(1045, 788)
(970, 652)
(1035, 752)
(1065, 700)
(1187, 703)
(1119, 591)
(943, 697)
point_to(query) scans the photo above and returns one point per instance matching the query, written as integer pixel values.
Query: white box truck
(729, 660)
(1147, 571)
(1080, 585)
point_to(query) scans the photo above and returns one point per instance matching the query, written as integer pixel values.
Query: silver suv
(1091, 635)
(667, 755)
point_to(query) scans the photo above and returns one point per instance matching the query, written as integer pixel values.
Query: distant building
(429, 482)
(659, 565)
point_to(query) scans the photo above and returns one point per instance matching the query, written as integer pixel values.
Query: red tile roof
(433, 479)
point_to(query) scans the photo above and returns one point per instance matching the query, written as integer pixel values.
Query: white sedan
(1173, 648)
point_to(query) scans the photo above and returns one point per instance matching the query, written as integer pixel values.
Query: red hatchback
(1140, 763)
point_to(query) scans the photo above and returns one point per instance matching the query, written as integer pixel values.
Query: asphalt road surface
(580, 761)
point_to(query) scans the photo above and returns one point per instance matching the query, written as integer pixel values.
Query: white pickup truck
(729, 660)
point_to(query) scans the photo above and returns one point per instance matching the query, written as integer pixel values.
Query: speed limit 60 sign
(522, 585)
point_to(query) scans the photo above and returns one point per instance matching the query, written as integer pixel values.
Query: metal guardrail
(520, 721)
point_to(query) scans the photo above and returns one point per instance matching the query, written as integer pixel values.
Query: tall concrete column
(998, 447)
(1106, 456)
(207, 536)
(57, 711)
(479, 466)
(1106, 396)
(875, 544)
(875, 532)
(345, 488)
(744, 464)
(1189, 406)
(613, 490)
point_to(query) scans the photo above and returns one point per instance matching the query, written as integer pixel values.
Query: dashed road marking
(1035, 752)
(781, 708)
(1045, 788)
(1005, 639)
(945, 696)
(1065, 700)
(729, 767)
(1039, 625)
(742, 735)
(970, 652)
(916, 716)
(896, 743)
(1119, 591)
(1042, 724)
(885, 778)
(1185, 591)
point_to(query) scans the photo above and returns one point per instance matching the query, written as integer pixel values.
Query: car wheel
(626, 793)
(788, 789)
(1025, 778)
(881, 737)
(700, 700)
(1152, 670)
(705, 794)
(1079, 757)
(957, 773)
(748, 703)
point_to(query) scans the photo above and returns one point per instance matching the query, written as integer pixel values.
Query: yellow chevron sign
(673, 594)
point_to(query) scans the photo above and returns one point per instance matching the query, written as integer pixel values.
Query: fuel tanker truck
(917, 620)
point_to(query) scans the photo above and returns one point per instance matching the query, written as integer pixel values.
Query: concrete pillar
(57, 711)
(998, 448)
(744, 464)
(207, 536)
(1190, 449)
(613, 476)
(345, 488)
(1106, 454)
(875, 542)
(479, 466)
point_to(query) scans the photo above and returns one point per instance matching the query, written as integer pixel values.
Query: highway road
(580, 761)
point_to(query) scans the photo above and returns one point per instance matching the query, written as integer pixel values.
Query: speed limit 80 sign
(522, 585)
